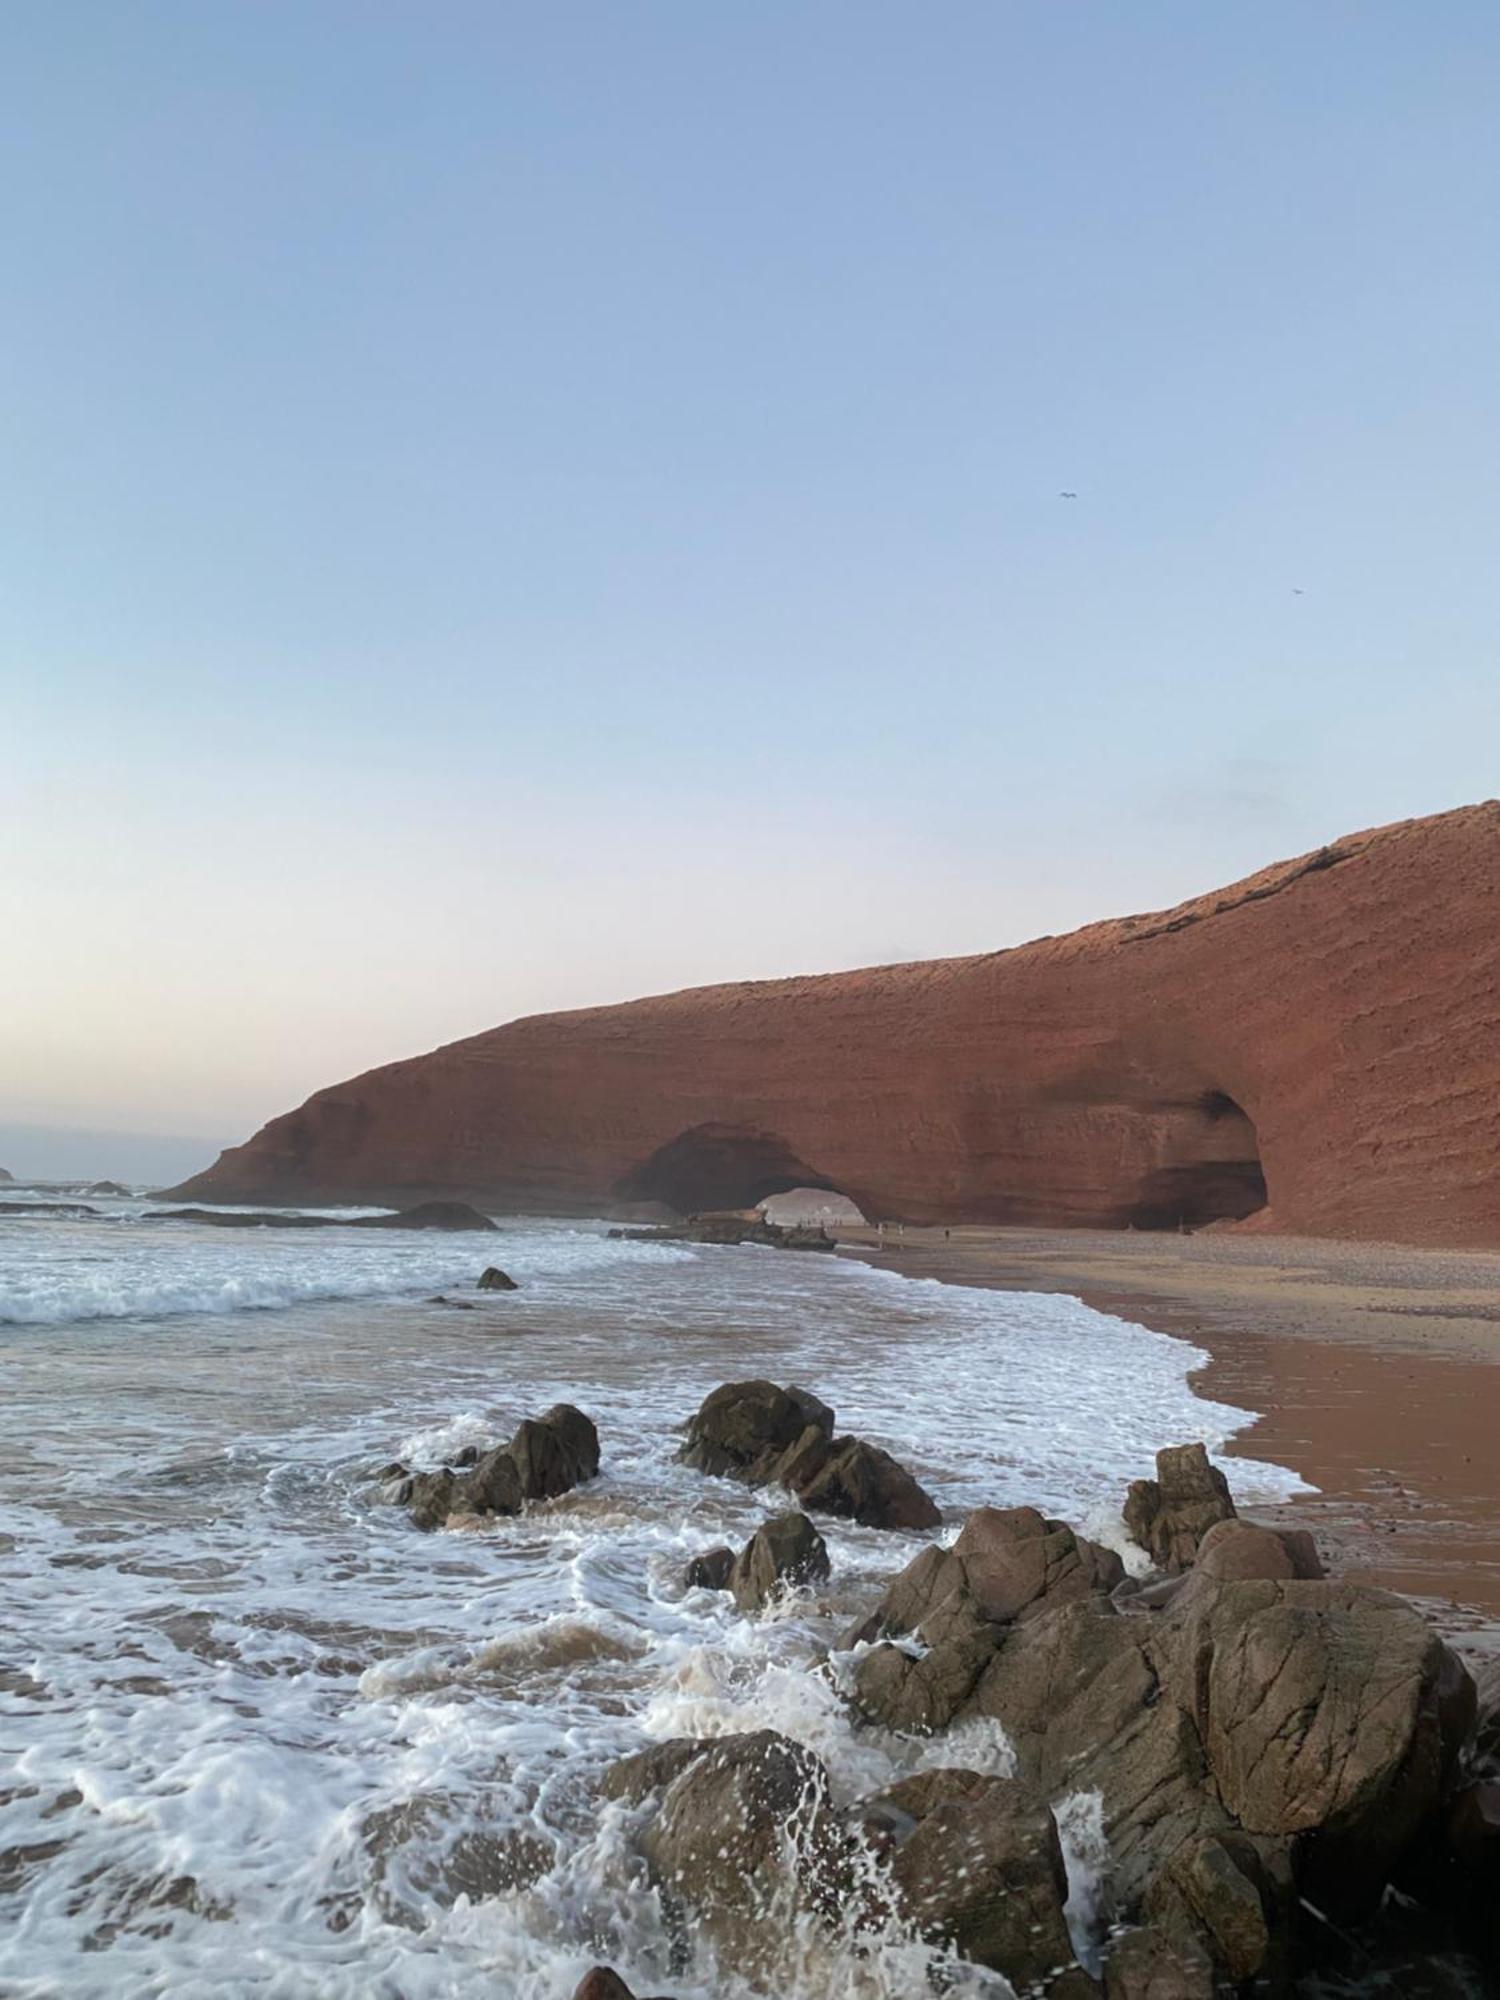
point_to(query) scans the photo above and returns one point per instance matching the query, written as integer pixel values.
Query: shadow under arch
(713, 1166)
(1214, 1173)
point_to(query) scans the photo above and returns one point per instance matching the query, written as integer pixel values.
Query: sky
(514, 506)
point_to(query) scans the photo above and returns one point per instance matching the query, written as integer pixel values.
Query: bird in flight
(1298, 593)
(1067, 496)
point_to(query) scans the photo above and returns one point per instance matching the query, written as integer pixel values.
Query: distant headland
(1314, 1050)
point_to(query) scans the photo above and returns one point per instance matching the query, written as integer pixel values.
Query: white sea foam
(267, 1726)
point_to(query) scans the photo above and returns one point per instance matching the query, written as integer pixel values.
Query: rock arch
(1211, 1170)
(713, 1166)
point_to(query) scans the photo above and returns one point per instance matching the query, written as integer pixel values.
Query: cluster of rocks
(769, 1436)
(733, 1226)
(1268, 1750)
(548, 1455)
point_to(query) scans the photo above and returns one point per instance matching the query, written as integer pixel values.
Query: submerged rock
(1170, 1515)
(548, 1455)
(728, 1227)
(745, 1844)
(710, 1571)
(982, 1869)
(767, 1435)
(787, 1552)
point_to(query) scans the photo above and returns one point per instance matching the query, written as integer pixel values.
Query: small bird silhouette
(1067, 496)
(1298, 593)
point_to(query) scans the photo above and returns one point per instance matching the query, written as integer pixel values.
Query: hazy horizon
(520, 509)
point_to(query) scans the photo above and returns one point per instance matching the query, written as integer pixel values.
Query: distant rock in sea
(5, 1175)
(1316, 1049)
(428, 1215)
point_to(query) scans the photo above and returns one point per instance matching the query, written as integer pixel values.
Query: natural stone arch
(713, 1166)
(1212, 1172)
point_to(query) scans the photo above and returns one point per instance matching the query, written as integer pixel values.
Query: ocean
(264, 1738)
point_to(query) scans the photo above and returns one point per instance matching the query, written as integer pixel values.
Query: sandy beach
(1373, 1367)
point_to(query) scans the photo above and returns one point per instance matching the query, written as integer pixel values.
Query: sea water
(260, 1736)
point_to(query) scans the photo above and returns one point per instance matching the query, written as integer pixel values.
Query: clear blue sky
(511, 506)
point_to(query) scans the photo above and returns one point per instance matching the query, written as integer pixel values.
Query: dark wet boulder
(864, 1484)
(548, 1455)
(635, 1778)
(1170, 1515)
(453, 1305)
(710, 1571)
(555, 1452)
(741, 1428)
(492, 1485)
(973, 1861)
(456, 1215)
(745, 1845)
(783, 1555)
(493, 1279)
(415, 1861)
(1152, 1964)
(604, 1983)
(101, 1187)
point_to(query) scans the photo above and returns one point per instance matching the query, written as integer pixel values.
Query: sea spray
(228, 1664)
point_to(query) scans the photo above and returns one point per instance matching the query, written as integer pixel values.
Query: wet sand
(1376, 1370)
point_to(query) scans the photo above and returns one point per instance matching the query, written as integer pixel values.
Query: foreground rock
(767, 1435)
(744, 1843)
(455, 1215)
(547, 1456)
(976, 1862)
(1170, 1515)
(493, 1279)
(1267, 1736)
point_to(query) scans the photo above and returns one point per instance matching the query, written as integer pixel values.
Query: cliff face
(1324, 1038)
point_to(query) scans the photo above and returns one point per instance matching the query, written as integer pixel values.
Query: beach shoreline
(1372, 1369)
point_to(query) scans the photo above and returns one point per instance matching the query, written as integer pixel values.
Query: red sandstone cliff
(1332, 1024)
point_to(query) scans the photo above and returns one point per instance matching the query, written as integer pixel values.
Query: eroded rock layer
(1318, 1046)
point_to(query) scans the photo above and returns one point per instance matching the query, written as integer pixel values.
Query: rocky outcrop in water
(731, 1229)
(1276, 1047)
(456, 1215)
(493, 1279)
(547, 1456)
(1266, 1737)
(769, 1436)
(787, 1553)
